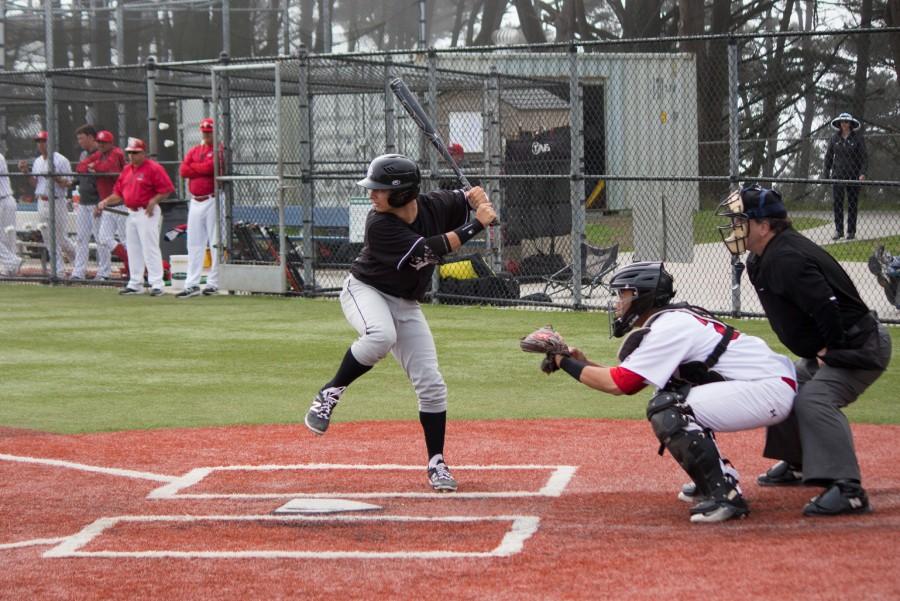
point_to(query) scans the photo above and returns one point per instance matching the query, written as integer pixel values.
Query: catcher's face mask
(624, 308)
(734, 235)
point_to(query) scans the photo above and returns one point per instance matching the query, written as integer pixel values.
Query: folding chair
(596, 264)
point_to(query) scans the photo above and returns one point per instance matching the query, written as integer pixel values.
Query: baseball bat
(116, 211)
(412, 106)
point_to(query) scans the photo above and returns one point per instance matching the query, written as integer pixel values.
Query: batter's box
(300, 537)
(330, 480)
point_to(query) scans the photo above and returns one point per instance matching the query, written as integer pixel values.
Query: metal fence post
(151, 107)
(307, 188)
(279, 171)
(121, 123)
(390, 136)
(224, 104)
(493, 160)
(50, 124)
(431, 111)
(576, 163)
(737, 266)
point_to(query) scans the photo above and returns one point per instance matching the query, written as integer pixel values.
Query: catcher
(709, 378)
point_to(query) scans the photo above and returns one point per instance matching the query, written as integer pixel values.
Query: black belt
(202, 198)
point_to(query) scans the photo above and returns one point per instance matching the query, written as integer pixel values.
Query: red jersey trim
(627, 381)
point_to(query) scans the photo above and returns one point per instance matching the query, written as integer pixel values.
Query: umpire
(816, 311)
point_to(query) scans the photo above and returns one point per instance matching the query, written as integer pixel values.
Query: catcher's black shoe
(319, 415)
(712, 510)
(781, 474)
(840, 498)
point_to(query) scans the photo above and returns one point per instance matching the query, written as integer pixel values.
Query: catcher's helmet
(652, 286)
(750, 202)
(396, 173)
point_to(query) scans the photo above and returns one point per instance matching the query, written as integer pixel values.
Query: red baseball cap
(104, 136)
(136, 145)
(41, 136)
(206, 124)
(456, 149)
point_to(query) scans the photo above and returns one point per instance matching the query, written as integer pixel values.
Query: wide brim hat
(836, 122)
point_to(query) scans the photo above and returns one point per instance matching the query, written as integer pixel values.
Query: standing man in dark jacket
(816, 311)
(86, 224)
(845, 158)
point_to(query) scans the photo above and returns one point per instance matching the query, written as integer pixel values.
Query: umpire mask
(751, 202)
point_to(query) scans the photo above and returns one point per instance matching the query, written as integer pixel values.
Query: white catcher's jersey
(678, 337)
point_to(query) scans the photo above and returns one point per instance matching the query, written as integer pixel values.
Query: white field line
(521, 529)
(559, 478)
(32, 543)
(109, 471)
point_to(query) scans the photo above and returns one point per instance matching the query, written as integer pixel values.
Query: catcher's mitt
(548, 341)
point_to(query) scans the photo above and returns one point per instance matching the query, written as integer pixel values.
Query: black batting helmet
(653, 287)
(396, 173)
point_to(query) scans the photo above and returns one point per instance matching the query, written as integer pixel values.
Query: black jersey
(809, 299)
(395, 258)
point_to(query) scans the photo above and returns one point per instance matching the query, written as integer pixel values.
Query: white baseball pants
(87, 225)
(9, 261)
(736, 405)
(112, 231)
(202, 231)
(142, 243)
(64, 246)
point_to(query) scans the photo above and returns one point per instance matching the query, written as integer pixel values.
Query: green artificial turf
(85, 359)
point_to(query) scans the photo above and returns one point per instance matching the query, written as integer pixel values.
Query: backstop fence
(594, 154)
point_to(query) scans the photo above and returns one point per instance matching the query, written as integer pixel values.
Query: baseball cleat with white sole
(440, 478)
(319, 415)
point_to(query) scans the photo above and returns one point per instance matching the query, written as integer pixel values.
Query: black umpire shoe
(841, 497)
(781, 474)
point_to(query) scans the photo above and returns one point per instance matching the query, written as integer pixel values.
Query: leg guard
(692, 447)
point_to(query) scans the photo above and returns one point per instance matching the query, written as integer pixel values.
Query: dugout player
(406, 235)
(709, 378)
(108, 159)
(817, 313)
(199, 169)
(141, 186)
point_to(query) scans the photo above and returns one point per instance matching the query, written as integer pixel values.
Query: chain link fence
(595, 155)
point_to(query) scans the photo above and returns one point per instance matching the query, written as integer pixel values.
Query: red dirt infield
(128, 515)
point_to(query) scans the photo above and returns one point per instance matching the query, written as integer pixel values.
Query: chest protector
(692, 373)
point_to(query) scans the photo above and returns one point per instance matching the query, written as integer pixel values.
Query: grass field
(85, 359)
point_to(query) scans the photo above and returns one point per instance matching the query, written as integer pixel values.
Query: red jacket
(198, 167)
(111, 162)
(138, 186)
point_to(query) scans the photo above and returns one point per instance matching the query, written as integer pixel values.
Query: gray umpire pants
(817, 434)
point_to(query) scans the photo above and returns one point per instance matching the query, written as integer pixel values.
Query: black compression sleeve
(467, 231)
(573, 367)
(439, 244)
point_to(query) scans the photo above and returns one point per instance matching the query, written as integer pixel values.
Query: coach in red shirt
(141, 186)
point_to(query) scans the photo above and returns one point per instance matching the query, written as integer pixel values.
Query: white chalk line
(556, 483)
(521, 529)
(109, 471)
(32, 543)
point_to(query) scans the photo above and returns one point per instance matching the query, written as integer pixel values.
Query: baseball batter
(51, 195)
(406, 235)
(198, 168)
(709, 378)
(9, 261)
(141, 186)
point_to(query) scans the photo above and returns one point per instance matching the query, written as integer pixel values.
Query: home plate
(319, 505)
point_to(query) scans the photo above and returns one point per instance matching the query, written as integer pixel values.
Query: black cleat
(781, 474)
(840, 498)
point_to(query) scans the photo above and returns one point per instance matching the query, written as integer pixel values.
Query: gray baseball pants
(388, 323)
